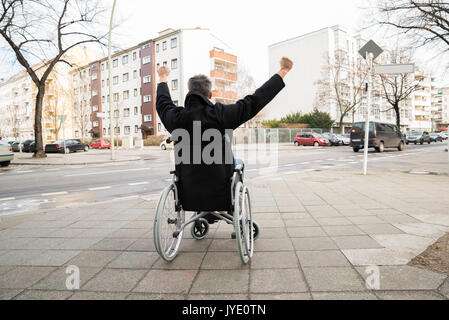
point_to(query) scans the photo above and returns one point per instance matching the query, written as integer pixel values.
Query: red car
(101, 144)
(311, 139)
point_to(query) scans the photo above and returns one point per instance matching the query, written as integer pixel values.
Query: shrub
(272, 124)
(153, 141)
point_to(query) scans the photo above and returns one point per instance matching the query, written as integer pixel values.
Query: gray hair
(201, 84)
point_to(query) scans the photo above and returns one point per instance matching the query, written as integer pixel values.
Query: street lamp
(111, 112)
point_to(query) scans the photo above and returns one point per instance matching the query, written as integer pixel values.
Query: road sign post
(111, 111)
(63, 118)
(369, 52)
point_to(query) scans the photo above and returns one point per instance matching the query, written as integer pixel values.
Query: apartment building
(443, 104)
(311, 52)
(18, 99)
(187, 52)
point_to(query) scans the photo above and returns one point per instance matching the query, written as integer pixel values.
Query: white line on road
(100, 188)
(290, 165)
(52, 169)
(138, 183)
(29, 171)
(54, 194)
(8, 199)
(105, 172)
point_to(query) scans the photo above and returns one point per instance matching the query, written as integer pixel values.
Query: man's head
(201, 84)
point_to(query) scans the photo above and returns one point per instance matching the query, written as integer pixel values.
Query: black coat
(204, 187)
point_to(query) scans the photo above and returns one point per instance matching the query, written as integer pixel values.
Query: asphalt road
(27, 188)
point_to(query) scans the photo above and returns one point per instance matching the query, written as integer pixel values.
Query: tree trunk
(398, 115)
(39, 153)
(342, 129)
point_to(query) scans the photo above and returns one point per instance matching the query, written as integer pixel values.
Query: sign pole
(111, 111)
(369, 59)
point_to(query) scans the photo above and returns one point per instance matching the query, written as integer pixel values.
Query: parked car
(16, 146)
(6, 154)
(420, 137)
(333, 139)
(101, 144)
(346, 139)
(311, 139)
(167, 144)
(444, 135)
(381, 136)
(66, 146)
(435, 137)
(27, 145)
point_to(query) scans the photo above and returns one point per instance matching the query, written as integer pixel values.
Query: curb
(75, 163)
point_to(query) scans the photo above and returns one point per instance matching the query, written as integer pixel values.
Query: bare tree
(14, 120)
(425, 23)
(81, 117)
(396, 89)
(246, 85)
(343, 84)
(44, 31)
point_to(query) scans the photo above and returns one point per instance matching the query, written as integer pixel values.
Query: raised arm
(166, 109)
(234, 115)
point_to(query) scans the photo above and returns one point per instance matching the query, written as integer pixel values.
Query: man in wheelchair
(206, 177)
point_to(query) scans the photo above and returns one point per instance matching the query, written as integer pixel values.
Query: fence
(263, 135)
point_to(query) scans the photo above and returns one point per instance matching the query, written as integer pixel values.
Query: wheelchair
(170, 221)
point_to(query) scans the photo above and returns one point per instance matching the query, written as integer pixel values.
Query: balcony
(229, 95)
(223, 75)
(221, 55)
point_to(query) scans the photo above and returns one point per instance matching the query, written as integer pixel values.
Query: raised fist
(286, 64)
(163, 72)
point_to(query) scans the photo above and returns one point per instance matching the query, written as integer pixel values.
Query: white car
(6, 154)
(346, 138)
(166, 145)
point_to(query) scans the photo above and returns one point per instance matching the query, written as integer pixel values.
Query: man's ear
(210, 95)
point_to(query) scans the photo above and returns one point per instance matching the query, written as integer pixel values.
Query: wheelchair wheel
(200, 229)
(167, 225)
(242, 224)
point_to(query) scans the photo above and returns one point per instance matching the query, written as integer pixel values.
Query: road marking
(54, 194)
(138, 183)
(29, 171)
(290, 165)
(52, 169)
(99, 188)
(354, 162)
(8, 199)
(105, 172)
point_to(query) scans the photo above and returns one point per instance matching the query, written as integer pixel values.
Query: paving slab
(23, 277)
(406, 278)
(88, 296)
(344, 296)
(222, 261)
(221, 281)
(57, 280)
(114, 280)
(324, 258)
(184, 261)
(274, 260)
(356, 242)
(134, 260)
(277, 281)
(281, 296)
(94, 258)
(43, 295)
(163, 281)
(333, 279)
(409, 295)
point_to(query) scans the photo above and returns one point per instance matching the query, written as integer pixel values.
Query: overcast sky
(248, 26)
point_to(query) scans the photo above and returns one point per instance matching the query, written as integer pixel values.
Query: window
(104, 131)
(174, 84)
(136, 129)
(117, 130)
(126, 95)
(159, 127)
(115, 63)
(102, 99)
(125, 59)
(95, 124)
(136, 111)
(148, 118)
(125, 77)
(164, 45)
(146, 59)
(147, 98)
(165, 63)
(116, 97)
(94, 93)
(94, 76)
(157, 47)
(135, 74)
(102, 83)
(158, 65)
(115, 80)
(174, 43)
(95, 108)
(127, 130)
(134, 56)
(147, 79)
(147, 46)
(102, 67)
(174, 64)
(126, 112)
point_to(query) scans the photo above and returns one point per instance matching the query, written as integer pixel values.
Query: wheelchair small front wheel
(167, 225)
(200, 229)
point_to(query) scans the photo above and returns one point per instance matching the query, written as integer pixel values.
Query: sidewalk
(84, 158)
(320, 232)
